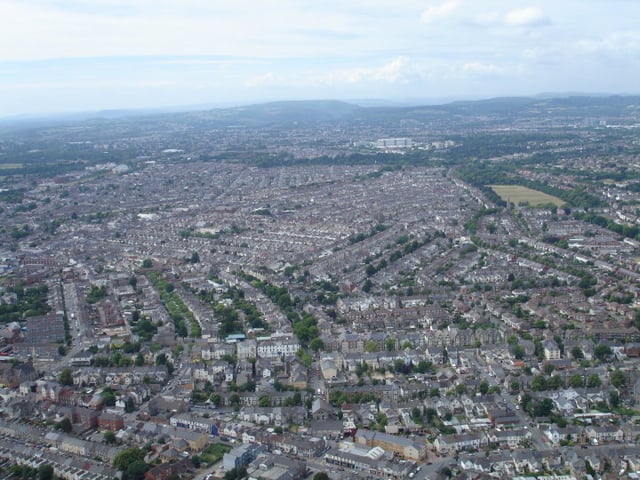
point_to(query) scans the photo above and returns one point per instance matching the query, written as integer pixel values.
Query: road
(78, 322)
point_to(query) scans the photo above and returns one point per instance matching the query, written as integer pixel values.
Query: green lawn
(517, 194)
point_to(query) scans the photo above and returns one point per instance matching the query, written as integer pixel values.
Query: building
(402, 446)
(394, 143)
(110, 421)
(198, 424)
(276, 467)
(241, 456)
(275, 348)
(551, 350)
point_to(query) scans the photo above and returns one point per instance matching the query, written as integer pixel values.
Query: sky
(84, 55)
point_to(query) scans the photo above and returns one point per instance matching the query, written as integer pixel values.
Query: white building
(275, 348)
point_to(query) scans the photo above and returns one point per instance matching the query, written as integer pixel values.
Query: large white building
(278, 347)
(394, 143)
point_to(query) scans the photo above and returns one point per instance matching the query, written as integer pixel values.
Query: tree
(406, 345)
(390, 344)
(430, 414)
(305, 358)
(126, 457)
(136, 470)
(554, 382)
(66, 377)
(539, 349)
(602, 352)
(446, 472)
(236, 473)
(543, 408)
(518, 351)
(109, 436)
(108, 397)
(195, 257)
(96, 293)
(216, 399)
(575, 380)
(461, 389)
(129, 406)
(538, 383)
(593, 380)
(139, 361)
(614, 399)
(424, 366)
(316, 345)
(576, 353)
(416, 414)
(526, 401)
(147, 263)
(65, 425)
(321, 476)
(381, 420)
(45, 472)
(618, 378)
(483, 387)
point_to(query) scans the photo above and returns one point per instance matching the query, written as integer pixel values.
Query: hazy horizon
(363, 102)
(62, 57)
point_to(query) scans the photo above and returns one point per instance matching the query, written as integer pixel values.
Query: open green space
(517, 195)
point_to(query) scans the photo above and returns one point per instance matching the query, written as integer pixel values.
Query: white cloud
(265, 79)
(80, 84)
(487, 19)
(233, 49)
(41, 29)
(526, 17)
(440, 11)
(623, 47)
(393, 72)
(481, 68)
(616, 43)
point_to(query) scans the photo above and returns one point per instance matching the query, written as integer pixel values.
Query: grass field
(516, 194)
(6, 166)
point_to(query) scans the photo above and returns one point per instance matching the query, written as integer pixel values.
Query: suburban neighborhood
(173, 316)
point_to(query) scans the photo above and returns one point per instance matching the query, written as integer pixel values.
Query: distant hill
(331, 110)
(291, 113)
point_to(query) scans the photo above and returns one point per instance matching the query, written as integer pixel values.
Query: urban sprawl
(386, 294)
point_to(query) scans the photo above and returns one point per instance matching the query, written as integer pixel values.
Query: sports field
(516, 194)
(6, 166)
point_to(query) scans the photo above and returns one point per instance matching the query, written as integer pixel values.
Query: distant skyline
(60, 56)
